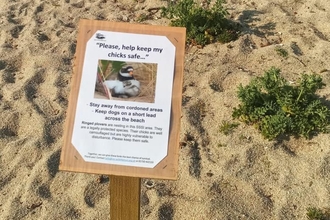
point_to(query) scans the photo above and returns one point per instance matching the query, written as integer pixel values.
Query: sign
(125, 102)
(125, 131)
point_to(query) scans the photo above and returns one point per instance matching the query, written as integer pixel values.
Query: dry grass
(146, 73)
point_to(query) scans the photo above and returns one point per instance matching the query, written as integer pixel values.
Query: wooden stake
(125, 198)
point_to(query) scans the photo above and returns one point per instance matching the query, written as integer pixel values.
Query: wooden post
(125, 198)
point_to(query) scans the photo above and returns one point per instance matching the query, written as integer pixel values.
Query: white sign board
(125, 131)
(124, 111)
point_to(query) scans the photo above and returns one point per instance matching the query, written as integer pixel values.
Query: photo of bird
(126, 81)
(125, 85)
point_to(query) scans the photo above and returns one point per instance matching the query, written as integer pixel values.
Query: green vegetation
(143, 17)
(275, 107)
(227, 127)
(205, 24)
(318, 214)
(282, 52)
(105, 69)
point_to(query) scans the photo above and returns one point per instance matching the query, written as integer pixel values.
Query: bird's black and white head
(126, 73)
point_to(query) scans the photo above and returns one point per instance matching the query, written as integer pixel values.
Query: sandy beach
(236, 176)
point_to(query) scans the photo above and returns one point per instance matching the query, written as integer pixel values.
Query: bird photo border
(126, 81)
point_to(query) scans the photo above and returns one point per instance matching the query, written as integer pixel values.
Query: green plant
(116, 66)
(143, 17)
(106, 70)
(275, 107)
(226, 127)
(204, 24)
(282, 52)
(317, 214)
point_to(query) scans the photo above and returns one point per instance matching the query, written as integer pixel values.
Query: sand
(235, 176)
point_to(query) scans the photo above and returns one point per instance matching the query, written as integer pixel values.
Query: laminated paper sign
(125, 103)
